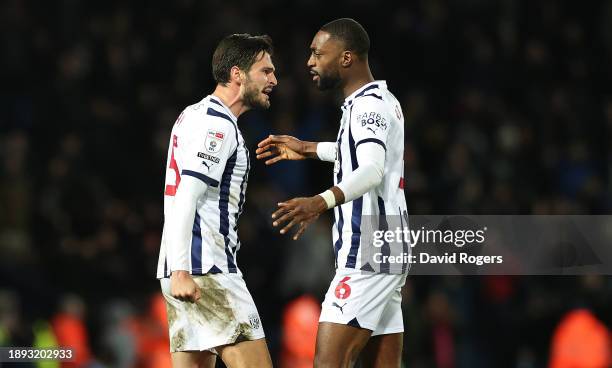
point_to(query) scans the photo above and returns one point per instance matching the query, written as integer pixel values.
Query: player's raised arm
(285, 147)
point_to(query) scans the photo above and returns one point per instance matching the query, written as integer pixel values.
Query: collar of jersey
(229, 112)
(349, 100)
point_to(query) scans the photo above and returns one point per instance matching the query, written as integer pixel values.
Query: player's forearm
(338, 195)
(178, 240)
(180, 223)
(331, 198)
(369, 174)
(360, 181)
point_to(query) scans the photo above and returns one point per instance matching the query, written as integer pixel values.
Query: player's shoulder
(374, 95)
(208, 113)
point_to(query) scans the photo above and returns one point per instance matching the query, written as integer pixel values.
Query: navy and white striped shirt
(206, 144)
(369, 115)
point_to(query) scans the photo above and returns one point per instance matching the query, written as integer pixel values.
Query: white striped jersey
(369, 115)
(206, 143)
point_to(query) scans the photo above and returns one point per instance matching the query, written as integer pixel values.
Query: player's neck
(353, 84)
(231, 98)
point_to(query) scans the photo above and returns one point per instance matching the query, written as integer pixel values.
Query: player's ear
(347, 59)
(236, 75)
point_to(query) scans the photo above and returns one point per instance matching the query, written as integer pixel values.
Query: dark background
(508, 110)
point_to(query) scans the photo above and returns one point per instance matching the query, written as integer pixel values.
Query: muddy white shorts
(225, 314)
(366, 300)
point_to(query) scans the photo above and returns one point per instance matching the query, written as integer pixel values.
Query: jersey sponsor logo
(372, 121)
(343, 290)
(208, 157)
(214, 141)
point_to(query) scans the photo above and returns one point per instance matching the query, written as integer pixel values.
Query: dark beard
(251, 99)
(327, 82)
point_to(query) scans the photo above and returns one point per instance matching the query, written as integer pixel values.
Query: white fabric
(224, 314)
(326, 151)
(180, 224)
(329, 198)
(205, 145)
(369, 174)
(372, 300)
(371, 116)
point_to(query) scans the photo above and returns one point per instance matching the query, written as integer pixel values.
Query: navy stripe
(216, 102)
(351, 259)
(339, 174)
(340, 217)
(224, 192)
(374, 140)
(245, 180)
(165, 266)
(352, 146)
(196, 245)
(382, 214)
(372, 95)
(213, 100)
(210, 181)
(362, 93)
(384, 226)
(404, 245)
(338, 244)
(365, 90)
(213, 112)
(236, 133)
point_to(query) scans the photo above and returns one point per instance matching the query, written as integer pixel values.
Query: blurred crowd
(508, 110)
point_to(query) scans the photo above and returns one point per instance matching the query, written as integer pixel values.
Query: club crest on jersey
(214, 141)
(254, 321)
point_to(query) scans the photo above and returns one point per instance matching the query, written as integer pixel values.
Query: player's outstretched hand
(284, 147)
(183, 287)
(298, 211)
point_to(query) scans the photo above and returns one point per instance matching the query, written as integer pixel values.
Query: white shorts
(225, 314)
(366, 300)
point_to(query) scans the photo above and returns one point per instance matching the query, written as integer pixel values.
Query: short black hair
(351, 33)
(239, 50)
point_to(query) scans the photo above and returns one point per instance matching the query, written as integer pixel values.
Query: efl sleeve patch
(214, 141)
